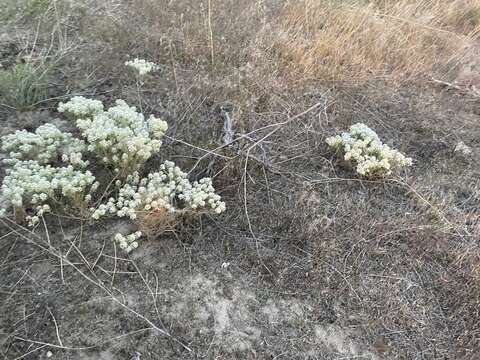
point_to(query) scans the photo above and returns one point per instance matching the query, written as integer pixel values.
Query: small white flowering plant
(81, 107)
(128, 242)
(46, 145)
(154, 202)
(121, 137)
(362, 148)
(141, 67)
(38, 188)
(45, 169)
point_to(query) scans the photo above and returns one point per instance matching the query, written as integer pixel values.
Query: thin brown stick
(114, 263)
(211, 34)
(56, 327)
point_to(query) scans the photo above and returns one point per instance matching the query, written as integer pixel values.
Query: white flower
(29, 183)
(157, 127)
(46, 145)
(78, 106)
(463, 148)
(121, 136)
(129, 242)
(166, 189)
(143, 67)
(32, 220)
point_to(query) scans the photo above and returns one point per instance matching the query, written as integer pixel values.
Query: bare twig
(227, 128)
(211, 34)
(56, 327)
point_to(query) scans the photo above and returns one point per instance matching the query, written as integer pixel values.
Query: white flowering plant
(46, 145)
(128, 242)
(362, 147)
(32, 186)
(81, 107)
(141, 67)
(121, 137)
(158, 199)
(47, 171)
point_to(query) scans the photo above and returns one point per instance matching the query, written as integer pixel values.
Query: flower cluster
(129, 242)
(167, 189)
(362, 147)
(141, 66)
(202, 195)
(463, 148)
(78, 106)
(165, 193)
(46, 145)
(29, 184)
(45, 169)
(121, 136)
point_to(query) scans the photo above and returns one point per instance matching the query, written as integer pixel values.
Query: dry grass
(393, 265)
(154, 224)
(354, 39)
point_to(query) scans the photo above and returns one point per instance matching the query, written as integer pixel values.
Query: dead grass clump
(356, 40)
(156, 223)
(206, 50)
(153, 223)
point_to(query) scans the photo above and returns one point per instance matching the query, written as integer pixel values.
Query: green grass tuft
(24, 85)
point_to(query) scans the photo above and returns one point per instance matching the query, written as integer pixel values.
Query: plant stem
(139, 96)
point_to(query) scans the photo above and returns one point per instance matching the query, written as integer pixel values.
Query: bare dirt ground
(309, 261)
